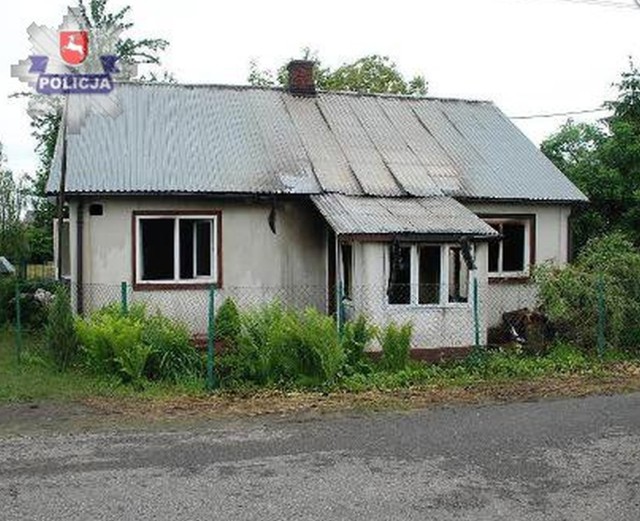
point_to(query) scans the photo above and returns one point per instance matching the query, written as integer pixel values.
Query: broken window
(429, 275)
(509, 254)
(65, 248)
(156, 237)
(347, 270)
(458, 276)
(400, 277)
(176, 248)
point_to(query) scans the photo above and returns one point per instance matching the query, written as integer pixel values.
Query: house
(401, 204)
(6, 268)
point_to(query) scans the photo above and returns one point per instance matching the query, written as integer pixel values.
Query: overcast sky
(528, 56)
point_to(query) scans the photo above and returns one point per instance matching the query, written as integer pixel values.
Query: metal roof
(6, 267)
(437, 215)
(225, 139)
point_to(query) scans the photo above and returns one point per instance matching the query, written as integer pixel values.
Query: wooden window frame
(530, 245)
(174, 284)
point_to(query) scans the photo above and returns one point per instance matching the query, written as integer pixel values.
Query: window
(176, 248)
(64, 270)
(400, 275)
(347, 269)
(458, 276)
(427, 274)
(510, 256)
(96, 209)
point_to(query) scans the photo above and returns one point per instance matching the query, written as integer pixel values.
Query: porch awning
(441, 216)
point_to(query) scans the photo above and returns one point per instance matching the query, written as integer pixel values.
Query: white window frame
(203, 279)
(414, 280)
(501, 274)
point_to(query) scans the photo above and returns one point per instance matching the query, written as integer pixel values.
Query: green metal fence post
(476, 319)
(18, 324)
(601, 316)
(210, 339)
(340, 310)
(123, 298)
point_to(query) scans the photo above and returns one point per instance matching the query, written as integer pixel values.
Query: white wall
(434, 326)
(551, 246)
(256, 264)
(552, 229)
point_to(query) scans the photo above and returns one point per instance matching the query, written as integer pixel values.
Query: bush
(105, 337)
(569, 296)
(173, 356)
(277, 345)
(33, 311)
(396, 344)
(138, 345)
(356, 336)
(7, 294)
(227, 323)
(61, 340)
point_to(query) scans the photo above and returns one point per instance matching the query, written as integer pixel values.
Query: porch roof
(439, 215)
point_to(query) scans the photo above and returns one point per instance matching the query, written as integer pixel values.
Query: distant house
(400, 201)
(6, 268)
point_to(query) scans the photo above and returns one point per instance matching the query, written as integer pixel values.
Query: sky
(530, 57)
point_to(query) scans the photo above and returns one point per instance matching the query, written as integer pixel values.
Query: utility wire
(559, 114)
(632, 4)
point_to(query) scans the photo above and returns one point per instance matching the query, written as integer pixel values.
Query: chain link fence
(494, 313)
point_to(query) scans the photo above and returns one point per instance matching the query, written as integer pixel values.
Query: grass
(36, 379)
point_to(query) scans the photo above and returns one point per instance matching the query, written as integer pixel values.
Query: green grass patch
(37, 378)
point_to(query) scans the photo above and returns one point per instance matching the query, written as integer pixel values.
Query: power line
(559, 114)
(633, 4)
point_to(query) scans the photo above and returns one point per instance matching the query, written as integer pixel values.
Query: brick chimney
(301, 80)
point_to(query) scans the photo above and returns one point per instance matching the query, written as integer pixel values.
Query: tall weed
(396, 344)
(61, 340)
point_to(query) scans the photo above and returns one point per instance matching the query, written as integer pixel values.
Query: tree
(369, 74)
(12, 235)
(144, 51)
(603, 160)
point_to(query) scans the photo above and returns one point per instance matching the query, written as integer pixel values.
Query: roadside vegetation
(139, 352)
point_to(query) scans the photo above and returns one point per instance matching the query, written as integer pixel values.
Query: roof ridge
(275, 88)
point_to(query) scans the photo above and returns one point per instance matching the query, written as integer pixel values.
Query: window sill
(418, 307)
(172, 286)
(518, 279)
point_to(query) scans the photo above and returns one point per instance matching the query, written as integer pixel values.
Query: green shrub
(278, 345)
(137, 345)
(396, 345)
(356, 336)
(132, 360)
(105, 336)
(173, 356)
(569, 296)
(227, 323)
(61, 340)
(7, 294)
(33, 312)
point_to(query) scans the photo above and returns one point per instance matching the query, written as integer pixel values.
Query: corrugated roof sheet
(223, 139)
(437, 215)
(6, 267)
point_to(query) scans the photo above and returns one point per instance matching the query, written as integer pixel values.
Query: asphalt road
(568, 459)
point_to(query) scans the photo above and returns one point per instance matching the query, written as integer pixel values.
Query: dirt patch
(625, 379)
(108, 413)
